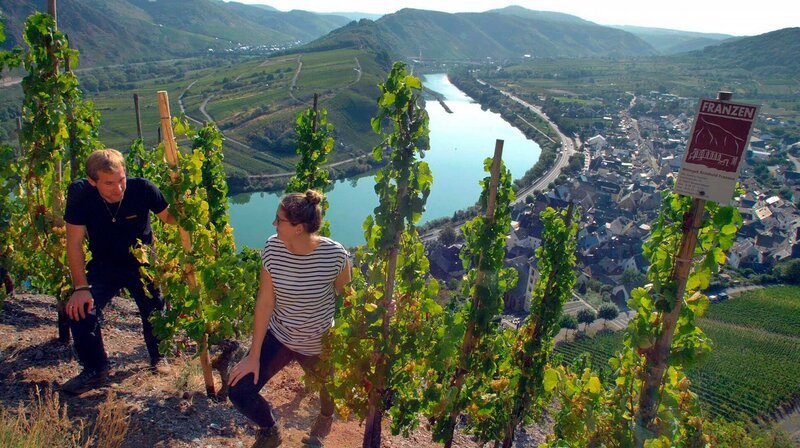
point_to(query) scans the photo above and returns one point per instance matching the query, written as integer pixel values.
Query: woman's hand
(246, 366)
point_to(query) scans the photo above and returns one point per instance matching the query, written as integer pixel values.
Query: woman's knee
(242, 391)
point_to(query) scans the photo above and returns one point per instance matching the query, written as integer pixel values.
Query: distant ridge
(776, 52)
(510, 32)
(668, 41)
(118, 31)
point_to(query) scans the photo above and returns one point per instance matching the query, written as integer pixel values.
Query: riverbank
(546, 169)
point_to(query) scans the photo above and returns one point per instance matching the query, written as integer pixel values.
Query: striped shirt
(304, 294)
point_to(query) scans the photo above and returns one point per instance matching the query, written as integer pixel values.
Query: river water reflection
(460, 141)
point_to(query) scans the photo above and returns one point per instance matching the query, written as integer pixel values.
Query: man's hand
(77, 305)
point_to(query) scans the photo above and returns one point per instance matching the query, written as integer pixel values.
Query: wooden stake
(19, 136)
(657, 357)
(468, 344)
(138, 115)
(171, 153)
(316, 113)
(53, 11)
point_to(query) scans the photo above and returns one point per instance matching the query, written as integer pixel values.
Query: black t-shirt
(109, 241)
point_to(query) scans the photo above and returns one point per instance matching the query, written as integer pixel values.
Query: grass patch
(45, 423)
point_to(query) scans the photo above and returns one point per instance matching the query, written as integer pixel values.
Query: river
(460, 141)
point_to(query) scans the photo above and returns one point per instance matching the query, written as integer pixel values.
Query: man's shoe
(319, 430)
(85, 381)
(160, 367)
(268, 437)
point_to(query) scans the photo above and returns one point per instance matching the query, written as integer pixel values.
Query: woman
(294, 308)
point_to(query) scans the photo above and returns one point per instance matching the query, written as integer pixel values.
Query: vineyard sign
(717, 143)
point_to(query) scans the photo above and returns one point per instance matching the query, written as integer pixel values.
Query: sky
(738, 18)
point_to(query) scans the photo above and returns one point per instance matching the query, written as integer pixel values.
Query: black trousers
(274, 357)
(106, 282)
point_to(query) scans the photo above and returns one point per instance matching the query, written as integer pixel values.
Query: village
(618, 193)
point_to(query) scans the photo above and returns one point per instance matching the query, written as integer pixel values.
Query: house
(523, 238)
(744, 254)
(597, 142)
(445, 262)
(518, 299)
(620, 294)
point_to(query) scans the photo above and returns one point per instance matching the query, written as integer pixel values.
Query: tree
(447, 236)
(586, 316)
(607, 311)
(568, 322)
(789, 271)
(633, 278)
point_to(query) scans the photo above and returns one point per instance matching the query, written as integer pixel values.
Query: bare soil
(165, 410)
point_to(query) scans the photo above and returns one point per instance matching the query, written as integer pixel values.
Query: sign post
(716, 146)
(709, 172)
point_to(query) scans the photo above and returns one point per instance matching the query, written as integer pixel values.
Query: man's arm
(166, 217)
(76, 260)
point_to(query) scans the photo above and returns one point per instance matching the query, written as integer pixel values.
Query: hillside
(121, 31)
(668, 41)
(512, 32)
(776, 52)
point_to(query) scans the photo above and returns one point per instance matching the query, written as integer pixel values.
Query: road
(645, 146)
(562, 158)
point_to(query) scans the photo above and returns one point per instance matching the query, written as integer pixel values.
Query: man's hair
(108, 160)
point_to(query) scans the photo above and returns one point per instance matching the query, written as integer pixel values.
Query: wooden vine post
(171, 153)
(138, 116)
(468, 344)
(657, 357)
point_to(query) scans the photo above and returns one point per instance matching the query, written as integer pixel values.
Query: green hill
(511, 32)
(122, 31)
(776, 52)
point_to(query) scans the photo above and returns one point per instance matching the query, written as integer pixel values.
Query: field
(610, 78)
(752, 371)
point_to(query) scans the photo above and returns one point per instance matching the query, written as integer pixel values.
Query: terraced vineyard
(254, 101)
(776, 310)
(752, 372)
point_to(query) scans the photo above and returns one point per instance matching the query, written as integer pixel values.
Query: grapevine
(221, 306)
(8, 181)
(52, 112)
(388, 320)
(534, 344)
(611, 415)
(314, 143)
(487, 281)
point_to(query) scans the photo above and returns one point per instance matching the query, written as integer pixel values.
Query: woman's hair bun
(313, 197)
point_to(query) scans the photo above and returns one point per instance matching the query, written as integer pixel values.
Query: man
(115, 212)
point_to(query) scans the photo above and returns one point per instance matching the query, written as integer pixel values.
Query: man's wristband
(81, 288)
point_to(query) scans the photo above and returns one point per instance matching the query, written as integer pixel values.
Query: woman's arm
(343, 278)
(265, 304)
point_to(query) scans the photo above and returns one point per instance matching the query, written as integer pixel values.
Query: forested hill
(512, 32)
(118, 31)
(776, 52)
